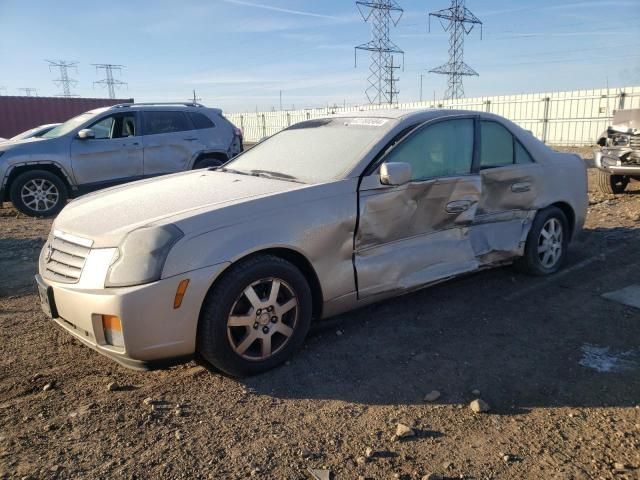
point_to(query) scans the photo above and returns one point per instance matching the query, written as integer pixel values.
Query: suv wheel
(256, 317)
(547, 243)
(608, 183)
(38, 193)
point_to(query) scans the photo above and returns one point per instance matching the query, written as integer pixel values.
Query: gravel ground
(558, 365)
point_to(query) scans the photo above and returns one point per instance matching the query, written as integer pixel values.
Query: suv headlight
(620, 140)
(141, 256)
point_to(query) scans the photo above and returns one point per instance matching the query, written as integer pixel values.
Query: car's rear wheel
(255, 317)
(547, 243)
(38, 193)
(611, 184)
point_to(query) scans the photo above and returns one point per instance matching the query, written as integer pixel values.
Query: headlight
(620, 140)
(141, 256)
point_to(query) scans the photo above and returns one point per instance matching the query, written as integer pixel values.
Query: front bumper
(153, 330)
(611, 161)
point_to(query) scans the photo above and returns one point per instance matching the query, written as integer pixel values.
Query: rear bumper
(154, 332)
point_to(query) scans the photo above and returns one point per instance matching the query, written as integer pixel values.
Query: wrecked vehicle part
(618, 158)
(355, 232)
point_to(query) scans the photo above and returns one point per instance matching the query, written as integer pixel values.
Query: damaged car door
(415, 233)
(510, 181)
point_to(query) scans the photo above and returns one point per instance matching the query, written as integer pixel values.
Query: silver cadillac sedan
(235, 262)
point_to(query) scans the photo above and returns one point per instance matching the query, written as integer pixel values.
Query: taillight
(237, 132)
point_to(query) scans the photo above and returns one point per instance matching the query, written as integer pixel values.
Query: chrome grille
(634, 142)
(65, 257)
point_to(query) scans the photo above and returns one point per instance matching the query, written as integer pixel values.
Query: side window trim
(386, 151)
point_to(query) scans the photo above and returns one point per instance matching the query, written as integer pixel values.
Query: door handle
(190, 139)
(458, 206)
(520, 187)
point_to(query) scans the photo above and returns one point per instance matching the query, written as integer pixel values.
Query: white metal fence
(557, 118)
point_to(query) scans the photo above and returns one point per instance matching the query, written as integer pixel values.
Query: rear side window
(522, 156)
(165, 122)
(201, 121)
(496, 145)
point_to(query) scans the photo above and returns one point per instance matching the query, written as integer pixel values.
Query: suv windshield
(69, 125)
(314, 151)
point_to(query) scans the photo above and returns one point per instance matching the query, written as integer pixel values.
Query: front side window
(443, 149)
(114, 126)
(496, 145)
(103, 128)
(165, 122)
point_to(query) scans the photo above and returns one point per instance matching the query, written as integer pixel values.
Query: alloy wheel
(262, 319)
(39, 194)
(550, 243)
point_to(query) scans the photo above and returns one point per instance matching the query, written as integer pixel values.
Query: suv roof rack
(185, 104)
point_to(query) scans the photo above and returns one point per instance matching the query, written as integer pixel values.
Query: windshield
(22, 135)
(69, 125)
(314, 151)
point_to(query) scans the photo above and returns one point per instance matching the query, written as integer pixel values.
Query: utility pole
(383, 14)
(458, 21)
(109, 81)
(421, 77)
(64, 81)
(195, 98)
(29, 91)
(280, 100)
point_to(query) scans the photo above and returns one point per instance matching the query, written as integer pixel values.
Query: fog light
(609, 161)
(182, 289)
(112, 330)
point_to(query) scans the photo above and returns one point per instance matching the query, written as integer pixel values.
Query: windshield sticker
(366, 122)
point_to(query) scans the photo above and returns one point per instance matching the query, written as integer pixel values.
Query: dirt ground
(558, 364)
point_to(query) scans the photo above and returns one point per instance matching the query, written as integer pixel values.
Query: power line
(383, 14)
(109, 81)
(65, 82)
(458, 21)
(29, 91)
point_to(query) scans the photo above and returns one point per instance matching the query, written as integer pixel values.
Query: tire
(235, 344)
(39, 182)
(611, 184)
(207, 163)
(535, 261)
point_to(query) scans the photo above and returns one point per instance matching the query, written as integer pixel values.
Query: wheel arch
(216, 154)
(51, 167)
(292, 256)
(569, 213)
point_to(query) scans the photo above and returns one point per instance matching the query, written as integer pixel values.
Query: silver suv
(110, 146)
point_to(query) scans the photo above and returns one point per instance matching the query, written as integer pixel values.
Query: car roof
(164, 106)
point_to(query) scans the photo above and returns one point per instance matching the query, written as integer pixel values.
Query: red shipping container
(18, 114)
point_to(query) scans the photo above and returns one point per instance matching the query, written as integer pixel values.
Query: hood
(11, 144)
(107, 216)
(626, 121)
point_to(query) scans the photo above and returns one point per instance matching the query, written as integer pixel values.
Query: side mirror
(86, 133)
(395, 173)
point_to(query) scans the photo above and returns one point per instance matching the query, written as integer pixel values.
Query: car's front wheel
(256, 316)
(611, 184)
(38, 193)
(547, 243)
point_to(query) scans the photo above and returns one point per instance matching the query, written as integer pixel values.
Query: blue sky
(239, 54)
